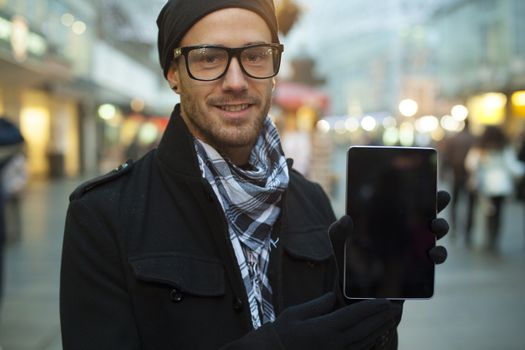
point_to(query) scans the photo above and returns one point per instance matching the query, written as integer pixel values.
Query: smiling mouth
(234, 108)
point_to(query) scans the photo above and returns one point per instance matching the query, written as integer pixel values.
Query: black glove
(440, 228)
(316, 325)
(340, 230)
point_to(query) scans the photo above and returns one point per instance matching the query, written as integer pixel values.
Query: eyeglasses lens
(209, 63)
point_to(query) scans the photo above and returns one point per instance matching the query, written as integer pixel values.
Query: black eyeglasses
(207, 62)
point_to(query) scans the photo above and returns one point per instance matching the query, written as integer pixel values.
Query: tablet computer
(391, 197)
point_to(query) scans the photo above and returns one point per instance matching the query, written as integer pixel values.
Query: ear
(173, 77)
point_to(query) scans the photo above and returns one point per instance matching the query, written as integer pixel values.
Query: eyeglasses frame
(232, 52)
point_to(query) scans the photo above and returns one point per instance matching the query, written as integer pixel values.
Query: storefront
(127, 134)
(506, 109)
(28, 97)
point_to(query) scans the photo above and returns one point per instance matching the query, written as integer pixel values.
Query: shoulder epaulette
(97, 181)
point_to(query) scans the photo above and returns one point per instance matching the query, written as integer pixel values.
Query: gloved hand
(316, 325)
(340, 230)
(440, 228)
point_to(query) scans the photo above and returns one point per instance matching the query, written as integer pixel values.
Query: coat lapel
(179, 169)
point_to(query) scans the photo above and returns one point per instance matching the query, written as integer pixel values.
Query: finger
(398, 306)
(386, 340)
(368, 330)
(443, 198)
(399, 303)
(350, 315)
(314, 308)
(340, 230)
(438, 254)
(372, 341)
(439, 227)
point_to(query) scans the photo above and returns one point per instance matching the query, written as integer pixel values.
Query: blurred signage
(518, 103)
(22, 40)
(488, 109)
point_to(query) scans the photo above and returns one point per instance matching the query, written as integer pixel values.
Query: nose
(235, 79)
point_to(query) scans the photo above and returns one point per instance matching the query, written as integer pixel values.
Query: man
(212, 240)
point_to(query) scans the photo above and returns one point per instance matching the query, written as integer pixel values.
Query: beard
(217, 132)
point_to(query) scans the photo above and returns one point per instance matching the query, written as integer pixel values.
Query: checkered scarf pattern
(250, 200)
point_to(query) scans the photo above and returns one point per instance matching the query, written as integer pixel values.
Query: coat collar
(176, 149)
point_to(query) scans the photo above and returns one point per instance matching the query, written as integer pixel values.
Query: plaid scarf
(250, 200)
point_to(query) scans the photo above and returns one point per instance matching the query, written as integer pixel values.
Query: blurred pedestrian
(212, 240)
(495, 168)
(520, 188)
(14, 180)
(454, 154)
(11, 142)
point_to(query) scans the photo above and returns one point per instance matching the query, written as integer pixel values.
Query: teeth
(234, 108)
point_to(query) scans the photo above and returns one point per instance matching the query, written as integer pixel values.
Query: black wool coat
(147, 262)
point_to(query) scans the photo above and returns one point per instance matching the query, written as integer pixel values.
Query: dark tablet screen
(391, 197)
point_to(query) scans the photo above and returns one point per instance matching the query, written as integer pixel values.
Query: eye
(257, 55)
(208, 57)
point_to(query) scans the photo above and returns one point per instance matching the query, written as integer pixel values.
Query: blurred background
(81, 91)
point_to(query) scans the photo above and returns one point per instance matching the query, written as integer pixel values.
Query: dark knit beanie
(178, 16)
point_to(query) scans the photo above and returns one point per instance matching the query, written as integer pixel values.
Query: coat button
(175, 295)
(237, 304)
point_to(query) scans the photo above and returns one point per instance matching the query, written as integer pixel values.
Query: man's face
(227, 113)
